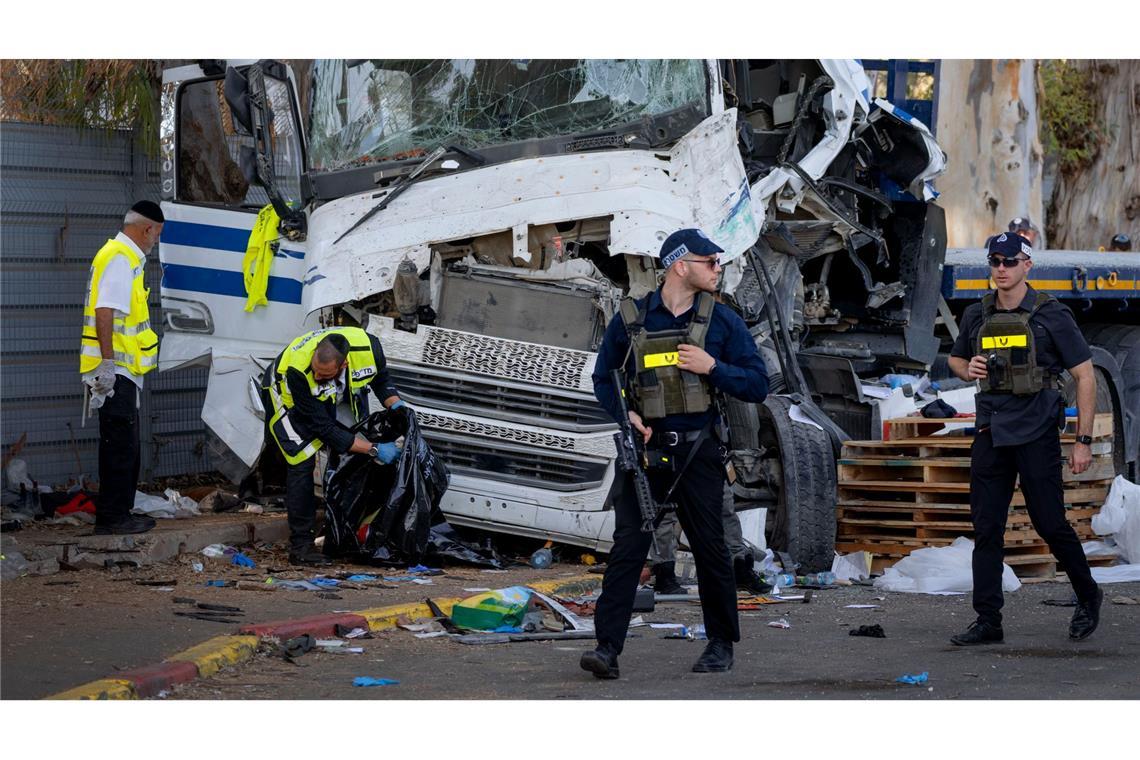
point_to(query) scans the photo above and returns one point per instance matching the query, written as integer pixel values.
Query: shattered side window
(382, 110)
(211, 168)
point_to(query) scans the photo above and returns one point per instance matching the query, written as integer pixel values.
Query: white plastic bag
(174, 505)
(939, 570)
(1120, 518)
(854, 566)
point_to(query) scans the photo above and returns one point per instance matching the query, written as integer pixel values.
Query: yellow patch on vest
(1004, 341)
(668, 359)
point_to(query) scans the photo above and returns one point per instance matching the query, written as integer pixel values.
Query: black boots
(1086, 617)
(665, 579)
(129, 524)
(717, 657)
(602, 662)
(747, 579)
(308, 555)
(979, 632)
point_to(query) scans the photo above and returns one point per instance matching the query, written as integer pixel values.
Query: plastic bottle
(783, 580)
(542, 559)
(826, 578)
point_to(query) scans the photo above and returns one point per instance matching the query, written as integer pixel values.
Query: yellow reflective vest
(134, 343)
(258, 258)
(298, 355)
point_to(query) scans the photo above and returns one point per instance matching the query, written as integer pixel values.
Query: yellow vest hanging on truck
(659, 386)
(298, 355)
(135, 345)
(258, 258)
(1006, 341)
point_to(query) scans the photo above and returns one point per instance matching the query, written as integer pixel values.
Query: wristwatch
(372, 452)
(1085, 439)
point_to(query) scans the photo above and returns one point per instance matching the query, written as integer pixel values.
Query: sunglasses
(1005, 261)
(712, 263)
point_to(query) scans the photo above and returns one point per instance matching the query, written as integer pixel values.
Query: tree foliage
(103, 94)
(1070, 114)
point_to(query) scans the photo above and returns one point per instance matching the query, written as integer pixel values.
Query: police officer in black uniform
(1015, 344)
(678, 348)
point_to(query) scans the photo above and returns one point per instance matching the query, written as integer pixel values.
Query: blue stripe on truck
(225, 283)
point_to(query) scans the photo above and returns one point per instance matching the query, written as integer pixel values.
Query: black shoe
(979, 632)
(601, 662)
(747, 579)
(129, 524)
(308, 556)
(717, 657)
(665, 579)
(1086, 617)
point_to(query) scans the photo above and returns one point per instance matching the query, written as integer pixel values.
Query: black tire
(1104, 405)
(804, 524)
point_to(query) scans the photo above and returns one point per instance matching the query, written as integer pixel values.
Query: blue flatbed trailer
(1103, 291)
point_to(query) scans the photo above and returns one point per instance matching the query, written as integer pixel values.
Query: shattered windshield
(382, 110)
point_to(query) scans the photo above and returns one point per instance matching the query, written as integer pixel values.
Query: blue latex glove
(241, 560)
(397, 405)
(386, 452)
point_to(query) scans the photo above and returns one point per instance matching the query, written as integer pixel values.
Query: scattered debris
(218, 607)
(369, 681)
(353, 633)
(860, 606)
(297, 646)
(183, 600)
(162, 582)
(1060, 602)
(781, 623)
(871, 631)
(241, 560)
(916, 680)
(328, 595)
(1125, 600)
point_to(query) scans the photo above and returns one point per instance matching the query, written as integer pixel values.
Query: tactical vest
(135, 345)
(659, 386)
(1006, 340)
(298, 355)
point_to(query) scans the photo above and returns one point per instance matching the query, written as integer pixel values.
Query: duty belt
(675, 438)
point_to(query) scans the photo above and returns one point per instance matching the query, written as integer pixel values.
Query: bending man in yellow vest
(301, 390)
(118, 347)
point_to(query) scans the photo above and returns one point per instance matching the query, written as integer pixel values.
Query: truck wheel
(804, 519)
(1104, 405)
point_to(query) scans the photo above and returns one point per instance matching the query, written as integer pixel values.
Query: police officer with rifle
(677, 350)
(1015, 343)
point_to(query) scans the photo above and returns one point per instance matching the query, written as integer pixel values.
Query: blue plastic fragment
(361, 578)
(912, 679)
(242, 561)
(507, 629)
(329, 582)
(220, 584)
(369, 681)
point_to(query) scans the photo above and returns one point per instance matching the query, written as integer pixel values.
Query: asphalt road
(813, 659)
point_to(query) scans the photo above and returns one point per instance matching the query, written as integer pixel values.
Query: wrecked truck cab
(484, 218)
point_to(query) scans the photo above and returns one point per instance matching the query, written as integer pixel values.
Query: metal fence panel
(63, 195)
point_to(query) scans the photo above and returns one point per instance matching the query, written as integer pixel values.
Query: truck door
(212, 188)
(232, 143)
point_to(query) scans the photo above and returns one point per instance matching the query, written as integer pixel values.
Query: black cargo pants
(993, 471)
(699, 497)
(119, 453)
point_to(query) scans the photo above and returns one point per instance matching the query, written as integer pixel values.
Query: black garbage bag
(384, 512)
(445, 544)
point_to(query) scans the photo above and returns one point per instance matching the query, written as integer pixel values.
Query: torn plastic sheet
(576, 623)
(1120, 517)
(939, 570)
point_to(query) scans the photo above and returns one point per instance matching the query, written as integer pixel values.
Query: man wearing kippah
(679, 350)
(118, 347)
(1014, 344)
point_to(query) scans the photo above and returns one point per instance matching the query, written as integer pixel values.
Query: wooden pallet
(913, 491)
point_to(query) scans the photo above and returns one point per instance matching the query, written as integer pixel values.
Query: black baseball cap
(1009, 244)
(1020, 223)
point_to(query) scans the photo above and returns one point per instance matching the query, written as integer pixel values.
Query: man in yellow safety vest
(300, 391)
(118, 347)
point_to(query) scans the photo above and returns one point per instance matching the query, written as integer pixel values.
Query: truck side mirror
(237, 96)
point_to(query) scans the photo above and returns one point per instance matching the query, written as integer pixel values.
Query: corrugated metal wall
(63, 192)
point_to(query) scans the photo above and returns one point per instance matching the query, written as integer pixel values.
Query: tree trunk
(987, 124)
(1102, 198)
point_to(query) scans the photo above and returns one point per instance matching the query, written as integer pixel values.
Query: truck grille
(500, 400)
(516, 464)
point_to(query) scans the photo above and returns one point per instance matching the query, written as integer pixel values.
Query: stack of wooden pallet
(912, 490)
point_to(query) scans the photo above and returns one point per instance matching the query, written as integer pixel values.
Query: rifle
(631, 458)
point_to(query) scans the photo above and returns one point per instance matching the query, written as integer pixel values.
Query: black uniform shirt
(1014, 420)
(739, 370)
(317, 419)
